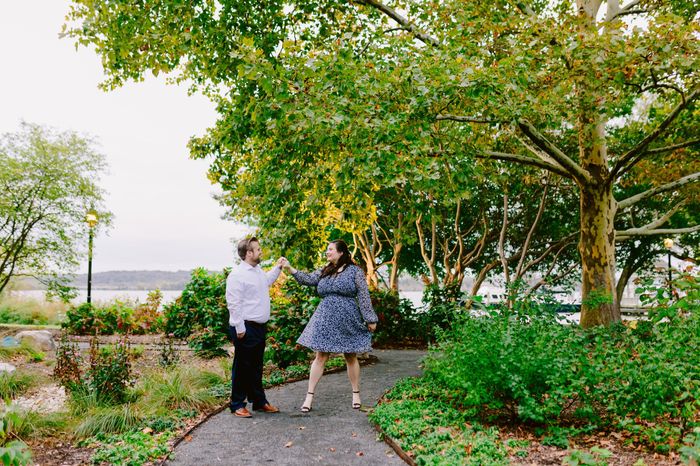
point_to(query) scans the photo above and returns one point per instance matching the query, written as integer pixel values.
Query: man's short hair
(244, 246)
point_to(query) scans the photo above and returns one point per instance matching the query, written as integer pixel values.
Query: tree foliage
(48, 181)
(327, 106)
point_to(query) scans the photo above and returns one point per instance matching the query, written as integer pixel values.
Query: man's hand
(372, 327)
(282, 262)
(240, 335)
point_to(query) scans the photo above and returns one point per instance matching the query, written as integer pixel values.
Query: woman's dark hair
(343, 261)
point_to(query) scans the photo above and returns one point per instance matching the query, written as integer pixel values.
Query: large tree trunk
(597, 248)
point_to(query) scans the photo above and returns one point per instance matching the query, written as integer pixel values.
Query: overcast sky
(164, 215)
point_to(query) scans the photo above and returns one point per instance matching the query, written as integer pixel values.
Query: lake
(103, 296)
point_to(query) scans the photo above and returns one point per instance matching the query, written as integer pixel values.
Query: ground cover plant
(522, 368)
(151, 399)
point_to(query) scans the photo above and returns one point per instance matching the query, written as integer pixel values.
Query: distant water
(104, 296)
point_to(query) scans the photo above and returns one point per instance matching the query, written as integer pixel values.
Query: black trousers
(247, 369)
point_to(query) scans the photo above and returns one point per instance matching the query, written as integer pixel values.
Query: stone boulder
(38, 339)
(6, 367)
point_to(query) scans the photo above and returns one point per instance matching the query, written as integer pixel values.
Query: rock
(47, 399)
(5, 367)
(39, 339)
(9, 342)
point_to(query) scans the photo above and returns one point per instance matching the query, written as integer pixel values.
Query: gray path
(331, 434)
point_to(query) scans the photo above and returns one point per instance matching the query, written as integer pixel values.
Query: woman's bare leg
(314, 376)
(354, 375)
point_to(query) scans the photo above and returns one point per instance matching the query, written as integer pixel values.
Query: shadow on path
(331, 434)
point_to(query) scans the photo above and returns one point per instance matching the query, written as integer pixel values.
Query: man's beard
(257, 260)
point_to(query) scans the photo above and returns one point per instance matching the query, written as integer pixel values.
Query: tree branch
(633, 156)
(526, 245)
(462, 118)
(668, 231)
(574, 169)
(661, 150)
(672, 186)
(664, 218)
(404, 22)
(525, 160)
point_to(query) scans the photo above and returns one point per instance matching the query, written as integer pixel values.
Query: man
(248, 299)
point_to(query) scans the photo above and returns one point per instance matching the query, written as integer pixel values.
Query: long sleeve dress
(339, 324)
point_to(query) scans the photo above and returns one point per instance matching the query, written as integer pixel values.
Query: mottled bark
(597, 249)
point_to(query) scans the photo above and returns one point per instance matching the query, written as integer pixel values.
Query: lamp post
(91, 220)
(668, 244)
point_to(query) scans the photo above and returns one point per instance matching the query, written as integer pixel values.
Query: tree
(48, 181)
(549, 84)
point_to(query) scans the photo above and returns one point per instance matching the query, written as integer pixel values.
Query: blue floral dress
(339, 324)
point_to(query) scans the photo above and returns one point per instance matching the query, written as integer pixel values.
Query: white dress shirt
(248, 294)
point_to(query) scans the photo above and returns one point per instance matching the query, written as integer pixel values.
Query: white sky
(164, 215)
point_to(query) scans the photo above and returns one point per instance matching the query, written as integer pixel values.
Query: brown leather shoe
(267, 408)
(242, 412)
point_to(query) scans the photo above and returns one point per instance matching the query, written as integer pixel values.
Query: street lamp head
(91, 218)
(668, 243)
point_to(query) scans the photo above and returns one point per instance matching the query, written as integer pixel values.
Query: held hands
(282, 262)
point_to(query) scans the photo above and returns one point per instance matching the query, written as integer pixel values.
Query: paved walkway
(331, 434)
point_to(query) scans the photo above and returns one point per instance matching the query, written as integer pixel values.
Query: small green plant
(168, 355)
(12, 450)
(518, 447)
(109, 374)
(131, 448)
(596, 457)
(67, 370)
(690, 451)
(23, 349)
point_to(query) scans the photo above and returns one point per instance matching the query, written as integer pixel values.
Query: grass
(179, 388)
(14, 384)
(109, 420)
(23, 349)
(30, 311)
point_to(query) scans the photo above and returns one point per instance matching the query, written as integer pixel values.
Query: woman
(343, 321)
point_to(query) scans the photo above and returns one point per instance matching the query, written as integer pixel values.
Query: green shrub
(68, 368)
(109, 374)
(168, 355)
(117, 317)
(398, 319)
(105, 380)
(441, 307)
(292, 306)
(200, 313)
(645, 380)
(146, 317)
